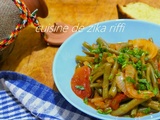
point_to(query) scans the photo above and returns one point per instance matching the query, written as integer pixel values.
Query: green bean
(99, 90)
(155, 67)
(104, 56)
(96, 75)
(127, 107)
(143, 63)
(87, 45)
(153, 64)
(100, 68)
(104, 45)
(113, 89)
(148, 74)
(90, 54)
(152, 104)
(114, 70)
(122, 105)
(95, 85)
(143, 59)
(134, 111)
(154, 81)
(111, 50)
(105, 84)
(84, 58)
(102, 42)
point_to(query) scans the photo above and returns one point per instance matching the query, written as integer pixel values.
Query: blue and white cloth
(23, 98)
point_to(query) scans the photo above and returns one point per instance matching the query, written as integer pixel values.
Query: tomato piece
(116, 100)
(80, 82)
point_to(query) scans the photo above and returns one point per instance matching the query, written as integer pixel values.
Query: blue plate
(111, 31)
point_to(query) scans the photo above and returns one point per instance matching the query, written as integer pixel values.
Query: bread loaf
(140, 11)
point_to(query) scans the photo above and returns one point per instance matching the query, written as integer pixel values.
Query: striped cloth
(23, 98)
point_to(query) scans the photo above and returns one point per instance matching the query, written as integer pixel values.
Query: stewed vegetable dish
(121, 79)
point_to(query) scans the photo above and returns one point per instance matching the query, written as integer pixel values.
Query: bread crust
(121, 13)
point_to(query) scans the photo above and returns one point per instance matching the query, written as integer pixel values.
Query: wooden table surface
(31, 55)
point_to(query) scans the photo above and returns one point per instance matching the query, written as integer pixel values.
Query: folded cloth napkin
(23, 98)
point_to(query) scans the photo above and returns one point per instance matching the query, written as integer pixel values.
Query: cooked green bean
(102, 42)
(84, 58)
(97, 75)
(113, 89)
(105, 46)
(134, 111)
(114, 70)
(95, 85)
(99, 90)
(90, 54)
(143, 63)
(111, 50)
(104, 60)
(127, 107)
(154, 82)
(148, 74)
(100, 68)
(153, 64)
(105, 86)
(87, 45)
(152, 104)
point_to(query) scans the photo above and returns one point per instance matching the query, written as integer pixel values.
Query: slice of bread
(140, 11)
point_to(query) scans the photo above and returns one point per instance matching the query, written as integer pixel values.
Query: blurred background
(87, 12)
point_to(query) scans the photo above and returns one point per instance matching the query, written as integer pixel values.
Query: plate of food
(110, 70)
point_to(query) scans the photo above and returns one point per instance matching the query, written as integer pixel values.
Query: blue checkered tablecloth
(23, 98)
